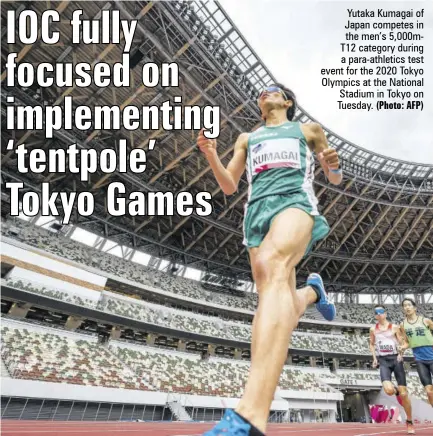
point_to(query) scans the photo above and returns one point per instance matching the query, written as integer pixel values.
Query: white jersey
(386, 341)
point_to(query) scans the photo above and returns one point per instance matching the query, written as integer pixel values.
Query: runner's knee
(429, 389)
(270, 265)
(389, 390)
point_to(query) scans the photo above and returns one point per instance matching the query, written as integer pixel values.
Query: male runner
(385, 340)
(280, 226)
(418, 336)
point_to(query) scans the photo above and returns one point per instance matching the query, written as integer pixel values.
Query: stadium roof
(381, 216)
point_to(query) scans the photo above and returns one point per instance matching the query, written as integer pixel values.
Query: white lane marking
(392, 431)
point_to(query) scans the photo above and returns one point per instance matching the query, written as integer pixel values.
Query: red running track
(56, 428)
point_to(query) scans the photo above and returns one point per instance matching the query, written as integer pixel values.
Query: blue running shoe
(230, 425)
(324, 306)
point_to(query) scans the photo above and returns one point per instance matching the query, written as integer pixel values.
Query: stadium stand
(174, 372)
(298, 380)
(42, 353)
(51, 356)
(415, 388)
(57, 294)
(105, 262)
(364, 313)
(200, 324)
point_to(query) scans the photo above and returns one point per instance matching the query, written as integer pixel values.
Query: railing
(178, 404)
(214, 414)
(63, 410)
(278, 417)
(48, 328)
(22, 408)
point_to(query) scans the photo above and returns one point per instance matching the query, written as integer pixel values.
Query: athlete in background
(417, 333)
(386, 346)
(281, 224)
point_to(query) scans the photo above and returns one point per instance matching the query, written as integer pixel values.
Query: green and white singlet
(280, 173)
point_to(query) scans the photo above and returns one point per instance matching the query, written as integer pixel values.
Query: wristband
(337, 171)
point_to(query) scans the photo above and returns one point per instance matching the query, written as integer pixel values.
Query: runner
(418, 336)
(385, 340)
(280, 226)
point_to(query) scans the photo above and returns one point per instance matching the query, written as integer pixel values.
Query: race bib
(275, 153)
(387, 348)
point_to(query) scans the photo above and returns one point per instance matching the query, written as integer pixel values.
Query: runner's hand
(399, 358)
(330, 156)
(375, 363)
(206, 146)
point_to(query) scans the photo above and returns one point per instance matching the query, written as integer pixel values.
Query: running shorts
(390, 365)
(260, 214)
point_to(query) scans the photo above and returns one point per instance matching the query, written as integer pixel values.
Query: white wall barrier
(64, 391)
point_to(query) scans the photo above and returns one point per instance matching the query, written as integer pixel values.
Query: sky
(296, 39)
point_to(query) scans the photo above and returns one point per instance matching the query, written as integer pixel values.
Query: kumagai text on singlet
(279, 161)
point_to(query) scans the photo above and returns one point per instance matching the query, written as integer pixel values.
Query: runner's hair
(408, 299)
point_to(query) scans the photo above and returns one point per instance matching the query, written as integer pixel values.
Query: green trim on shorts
(261, 213)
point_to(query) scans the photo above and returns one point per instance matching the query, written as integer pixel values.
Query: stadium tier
(57, 244)
(56, 358)
(49, 355)
(207, 326)
(46, 354)
(57, 294)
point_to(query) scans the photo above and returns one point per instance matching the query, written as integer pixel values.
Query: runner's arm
(373, 345)
(328, 157)
(227, 178)
(405, 345)
(428, 323)
(236, 166)
(401, 340)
